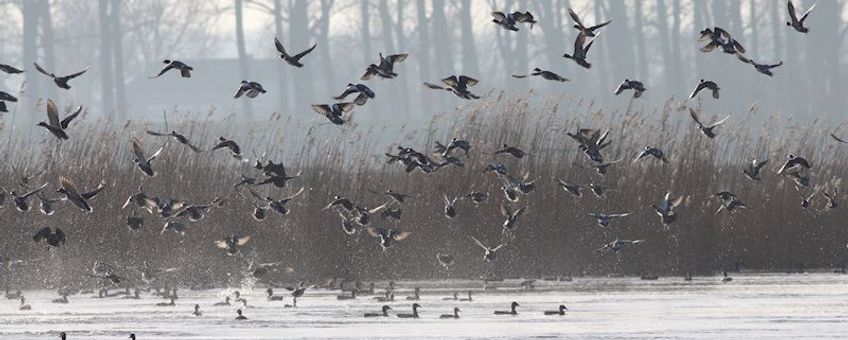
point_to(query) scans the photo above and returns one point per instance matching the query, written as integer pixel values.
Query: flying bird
(754, 168)
(456, 85)
(653, 152)
(143, 162)
(762, 68)
(635, 85)
(62, 82)
(77, 198)
(706, 84)
(386, 68)
(251, 89)
(509, 20)
(794, 22)
(707, 130)
(793, 165)
(666, 209)
(605, 219)
(293, 60)
(364, 91)
(388, 236)
(234, 148)
(232, 244)
(56, 127)
(22, 201)
(185, 70)
(53, 238)
(177, 137)
(548, 75)
(338, 113)
(489, 254)
(581, 48)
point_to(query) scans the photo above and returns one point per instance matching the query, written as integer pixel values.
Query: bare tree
(244, 63)
(106, 77)
(118, 56)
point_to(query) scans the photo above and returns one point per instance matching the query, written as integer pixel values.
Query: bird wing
(91, 194)
(37, 67)
(294, 195)
(698, 88)
(322, 109)
(761, 164)
(694, 116)
(396, 58)
(838, 139)
(158, 134)
(479, 243)
(621, 87)
(776, 65)
(377, 209)
(72, 76)
(10, 69)
(164, 69)
(744, 59)
(301, 54)
(600, 25)
(280, 47)
(804, 17)
(709, 47)
(156, 154)
(137, 150)
(346, 107)
(222, 244)
(374, 231)
(575, 18)
(400, 235)
(519, 76)
(451, 81)
(69, 186)
(240, 91)
(433, 86)
(499, 16)
(41, 234)
(53, 114)
(720, 122)
(791, 8)
(468, 81)
(369, 73)
(65, 122)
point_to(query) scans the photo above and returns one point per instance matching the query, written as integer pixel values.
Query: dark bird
(634, 85)
(185, 70)
(143, 162)
(512, 151)
(47, 206)
(477, 196)
(10, 69)
(79, 199)
(53, 238)
(234, 148)
(365, 93)
(754, 168)
(718, 37)
(22, 201)
(457, 85)
(56, 127)
(5, 97)
(177, 137)
(450, 208)
(414, 314)
(653, 152)
(455, 314)
(592, 142)
(291, 60)
(62, 82)
(666, 209)
(831, 198)
(794, 22)
(581, 48)
(509, 20)
(560, 311)
(232, 244)
(279, 206)
(386, 68)
(510, 224)
(511, 311)
(489, 254)
(387, 236)
(384, 313)
(793, 165)
(337, 113)
(706, 84)
(548, 75)
(571, 188)
(762, 68)
(194, 212)
(251, 89)
(605, 219)
(578, 24)
(707, 130)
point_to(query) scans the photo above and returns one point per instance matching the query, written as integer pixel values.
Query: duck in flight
(509, 20)
(707, 130)
(143, 162)
(232, 244)
(635, 85)
(386, 69)
(251, 89)
(53, 238)
(547, 75)
(22, 201)
(338, 113)
(581, 49)
(62, 82)
(10, 69)
(762, 68)
(794, 22)
(293, 60)
(5, 97)
(708, 85)
(56, 127)
(180, 138)
(754, 168)
(77, 198)
(489, 254)
(388, 236)
(458, 85)
(185, 70)
(364, 91)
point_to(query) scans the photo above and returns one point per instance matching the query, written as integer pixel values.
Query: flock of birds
(354, 216)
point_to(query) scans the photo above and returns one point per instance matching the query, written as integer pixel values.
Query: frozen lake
(753, 306)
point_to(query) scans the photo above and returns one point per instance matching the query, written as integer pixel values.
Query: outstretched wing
(433, 86)
(804, 17)
(301, 54)
(575, 18)
(72, 76)
(480, 244)
(37, 67)
(69, 119)
(280, 47)
(791, 9)
(53, 114)
(838, 139)
(720, 122)
(137, 150)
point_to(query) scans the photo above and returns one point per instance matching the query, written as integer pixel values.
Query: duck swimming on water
(384, 313)
(511, 311)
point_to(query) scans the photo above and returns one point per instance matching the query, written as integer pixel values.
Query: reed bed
(557, 237)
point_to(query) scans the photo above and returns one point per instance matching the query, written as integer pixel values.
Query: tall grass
(557, 237)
